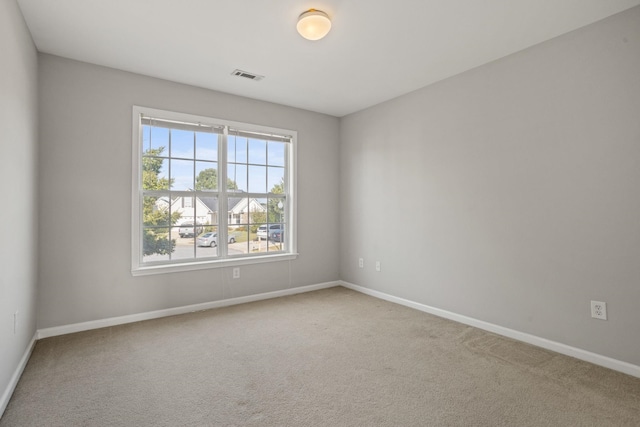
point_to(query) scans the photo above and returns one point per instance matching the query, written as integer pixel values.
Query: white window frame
(138, 267)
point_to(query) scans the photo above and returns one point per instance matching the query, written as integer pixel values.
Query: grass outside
(241, 236)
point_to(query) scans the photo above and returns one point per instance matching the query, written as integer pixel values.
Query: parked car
(188, 230)
(277, 236)
(264, 231)
(211, 239)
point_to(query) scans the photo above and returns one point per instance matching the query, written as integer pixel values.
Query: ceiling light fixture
(313, 24)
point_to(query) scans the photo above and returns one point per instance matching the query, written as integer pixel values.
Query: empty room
(331, 213)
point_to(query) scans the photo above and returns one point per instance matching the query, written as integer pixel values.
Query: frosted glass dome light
(313, 24)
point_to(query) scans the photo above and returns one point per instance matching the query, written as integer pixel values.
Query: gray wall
(509, 193)
(85, 193)
(18, 142)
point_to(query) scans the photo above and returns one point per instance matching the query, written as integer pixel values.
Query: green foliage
(257, 219)
(276, 214)
(151, 168)
(207, 179)
(156, 240)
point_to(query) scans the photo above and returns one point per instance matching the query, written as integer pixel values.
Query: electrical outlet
(361, 263)
(377, 265)
(15, 322)
(236, 272)
(599, 310)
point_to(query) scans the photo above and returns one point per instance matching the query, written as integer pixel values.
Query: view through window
(209, 191)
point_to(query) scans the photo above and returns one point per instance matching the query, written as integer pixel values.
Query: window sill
(203, 265)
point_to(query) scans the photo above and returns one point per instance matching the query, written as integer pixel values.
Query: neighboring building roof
(236, 204)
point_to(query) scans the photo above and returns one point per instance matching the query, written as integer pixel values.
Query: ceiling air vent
(247, 75)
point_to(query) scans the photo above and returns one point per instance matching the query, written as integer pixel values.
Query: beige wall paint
(509, 193)
(85, 191)
(18, 171)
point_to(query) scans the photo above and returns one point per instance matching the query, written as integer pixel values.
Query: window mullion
(223, 209)
(169, 175)
(194, 204)
(137, 229)
(288, 190)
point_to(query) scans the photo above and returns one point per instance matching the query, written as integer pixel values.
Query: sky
(255, 165)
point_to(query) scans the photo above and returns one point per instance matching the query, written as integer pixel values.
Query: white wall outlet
(377, 265)
(236, 272)
(15, 322)
(361, 263)
(599, 310)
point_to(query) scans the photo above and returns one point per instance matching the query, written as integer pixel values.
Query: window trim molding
(140, 269)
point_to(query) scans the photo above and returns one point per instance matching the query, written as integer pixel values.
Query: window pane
(206, 176)
(182, 175)
(275, 182)
(182, 207)
(207, 242)
(235, 214)
(155, 211)
(237, 149)
(155, 173)
(242, 240)
(275, 210)
(239, 216)
(184, 247)
(145, 137)
(158, 140)
(277, 240)
(182, 144)
(257, 179)
(231, 148)
(276, 152)
(259, 225)
(156, 244)
(233, 236)
(207, 146)
(258, 210)
(237, 177)
(188, 230)
(260, 246)
(257, 152)
(270, 237)
(207, 210)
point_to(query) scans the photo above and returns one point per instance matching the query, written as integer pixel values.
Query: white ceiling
(376, 50)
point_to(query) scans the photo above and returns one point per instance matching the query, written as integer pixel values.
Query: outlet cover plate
(599, 310)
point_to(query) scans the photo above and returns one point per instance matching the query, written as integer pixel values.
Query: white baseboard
(587, 356)
(121, 320)
(6, 396)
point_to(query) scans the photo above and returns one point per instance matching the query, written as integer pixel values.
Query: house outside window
(210, 193)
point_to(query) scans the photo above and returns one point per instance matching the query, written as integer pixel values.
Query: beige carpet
(328, 358)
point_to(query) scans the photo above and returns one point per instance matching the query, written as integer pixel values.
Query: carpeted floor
(327, 358)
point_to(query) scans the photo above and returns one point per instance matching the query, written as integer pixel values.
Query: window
(210, 193)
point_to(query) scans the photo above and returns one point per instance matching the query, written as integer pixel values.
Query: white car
(188, 230)
(211, 239)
